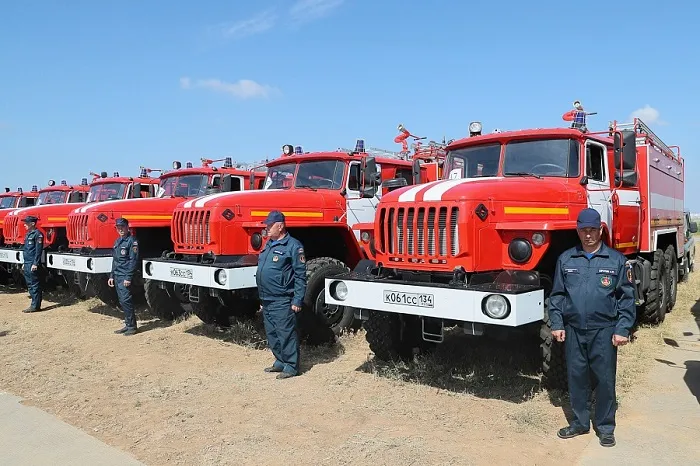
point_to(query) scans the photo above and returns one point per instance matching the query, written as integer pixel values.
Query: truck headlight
(220, 277)
(496, 306)
(339, 290)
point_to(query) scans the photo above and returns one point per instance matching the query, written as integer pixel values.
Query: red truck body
(478, 249)
(326, 198)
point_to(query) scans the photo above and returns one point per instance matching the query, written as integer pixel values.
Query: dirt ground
(187, 393)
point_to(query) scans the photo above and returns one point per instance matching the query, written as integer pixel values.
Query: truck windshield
(184, 186)
(472, 162)
(547, 157)
(52, 197)
(317, 174)
(7, 202)
(106, 192)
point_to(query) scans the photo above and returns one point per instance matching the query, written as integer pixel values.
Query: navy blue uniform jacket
(125, 257)
(593, 293)
(282, 271)
(33, 247)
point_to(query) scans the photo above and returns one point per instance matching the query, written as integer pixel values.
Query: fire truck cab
(478, 249)
(10, 200)
(326, 197)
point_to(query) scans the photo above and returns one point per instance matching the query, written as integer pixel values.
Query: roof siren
(298, 150)
(84, 182)
(287, 149)
(228, 162)
(189, 165)
(116, 174)
(7, 190)
(64, 183)
(35, 188)
(177, 165)
(359, 146)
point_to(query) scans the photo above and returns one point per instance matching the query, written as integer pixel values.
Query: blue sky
(114, 85)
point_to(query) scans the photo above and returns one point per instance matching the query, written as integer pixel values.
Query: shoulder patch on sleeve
(302, 257)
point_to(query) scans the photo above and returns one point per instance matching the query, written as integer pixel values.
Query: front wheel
(160, 302)
(672, 267)
(336, 318)
(656, 302)
(552, 354)
(392, 337)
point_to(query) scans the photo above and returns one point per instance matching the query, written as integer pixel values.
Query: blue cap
(122, 222)
(588, 218)
(274, 217)
(30, 219)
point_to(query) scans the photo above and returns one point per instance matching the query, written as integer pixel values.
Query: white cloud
(241, 89)
(648, 115)
(247, 27)
(309, 10)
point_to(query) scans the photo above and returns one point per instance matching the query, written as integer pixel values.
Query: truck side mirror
(226, 183)
(370, 177)
(693, 227)
(416, 171)
(136, 190)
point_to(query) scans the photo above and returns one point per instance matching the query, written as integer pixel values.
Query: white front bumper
(442, 303)
(11, 256)
(78, 263)
(237, 278)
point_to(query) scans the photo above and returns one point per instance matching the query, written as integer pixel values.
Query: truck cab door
(599, 184)
(359, 209)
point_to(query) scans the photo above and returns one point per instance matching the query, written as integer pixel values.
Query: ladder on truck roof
(646, 136)
(432, 149)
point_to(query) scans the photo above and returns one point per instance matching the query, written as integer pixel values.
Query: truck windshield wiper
(523, 174)
(306, 186)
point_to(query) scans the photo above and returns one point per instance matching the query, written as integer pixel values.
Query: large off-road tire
(684, 270)
(672, 267)
(209, 309)
(552, 354)
(98, 287)
(656, 303)
(78, 290)
(337, 318)
(160, 303)
(18, 278)
(392, 337)
(239, 307)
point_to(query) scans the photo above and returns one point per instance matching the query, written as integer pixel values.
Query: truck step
(430, 331)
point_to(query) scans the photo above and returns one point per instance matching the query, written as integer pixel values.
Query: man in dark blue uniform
(592, 311)
(281, 280)
(33, 247)
(125, 256)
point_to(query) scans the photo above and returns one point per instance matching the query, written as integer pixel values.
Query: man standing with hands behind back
(281, 280)
(125, 261)
(592, 310)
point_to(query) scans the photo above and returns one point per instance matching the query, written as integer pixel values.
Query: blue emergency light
(19, 190)
(84, 182)
(144, 173)
(298, 150)
(64, 183)
(116, 174)
(35, 188)
(228, 162)
(189, 165)
(360, 145)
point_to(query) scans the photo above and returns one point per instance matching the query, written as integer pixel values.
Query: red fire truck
(478, 249)
(10, 200)
(92, 232)
(324, 196)
(53, 206)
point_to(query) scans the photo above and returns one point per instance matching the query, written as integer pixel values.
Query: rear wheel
(656, 303)
(672, 267)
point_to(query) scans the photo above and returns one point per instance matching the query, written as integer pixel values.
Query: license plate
(409, 299)
(4, 255)
(181, 273)
(69, 262)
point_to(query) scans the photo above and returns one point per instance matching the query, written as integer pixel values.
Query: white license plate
(181, 273)
(409, 299)
(4, 255)
(69, 262)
